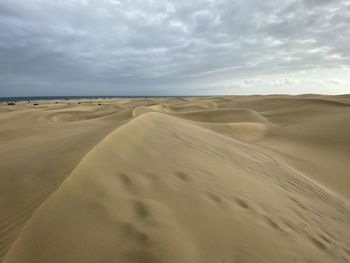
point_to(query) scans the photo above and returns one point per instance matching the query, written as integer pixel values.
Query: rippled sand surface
(204, 179)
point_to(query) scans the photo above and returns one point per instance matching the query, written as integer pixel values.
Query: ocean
(75, 97)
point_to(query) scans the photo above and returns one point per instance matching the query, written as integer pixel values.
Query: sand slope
(234, 179)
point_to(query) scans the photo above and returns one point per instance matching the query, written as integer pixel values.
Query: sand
(247, 179)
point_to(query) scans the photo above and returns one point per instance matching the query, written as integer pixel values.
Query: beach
(181, 179)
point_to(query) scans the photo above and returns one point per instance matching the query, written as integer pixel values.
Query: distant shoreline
(5, 99)
(32, 98)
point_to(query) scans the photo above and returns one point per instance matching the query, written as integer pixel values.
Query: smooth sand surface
(248, 179)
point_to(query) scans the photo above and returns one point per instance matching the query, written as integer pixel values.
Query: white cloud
(334, 81)
(272, 82)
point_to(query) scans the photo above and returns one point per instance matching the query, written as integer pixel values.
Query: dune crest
(132, 200)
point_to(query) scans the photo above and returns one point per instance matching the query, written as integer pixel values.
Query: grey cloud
(163, 47)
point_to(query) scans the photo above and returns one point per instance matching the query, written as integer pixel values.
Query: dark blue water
(75, 97)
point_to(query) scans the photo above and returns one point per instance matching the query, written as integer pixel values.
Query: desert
(176, 179)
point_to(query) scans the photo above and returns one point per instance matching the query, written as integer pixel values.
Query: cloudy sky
(178, 47)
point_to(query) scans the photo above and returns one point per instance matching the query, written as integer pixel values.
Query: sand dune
(216, 179)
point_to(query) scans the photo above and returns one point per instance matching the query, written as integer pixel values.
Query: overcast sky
(179, 47)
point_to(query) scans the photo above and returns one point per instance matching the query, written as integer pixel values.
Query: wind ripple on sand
(163, 189)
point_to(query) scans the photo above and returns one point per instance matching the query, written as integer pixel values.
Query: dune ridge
(178, 182)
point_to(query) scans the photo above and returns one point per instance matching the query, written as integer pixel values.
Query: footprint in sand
(242, 203)
(125, 179)
(243, 255)
(141, 209)
(183, 176)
